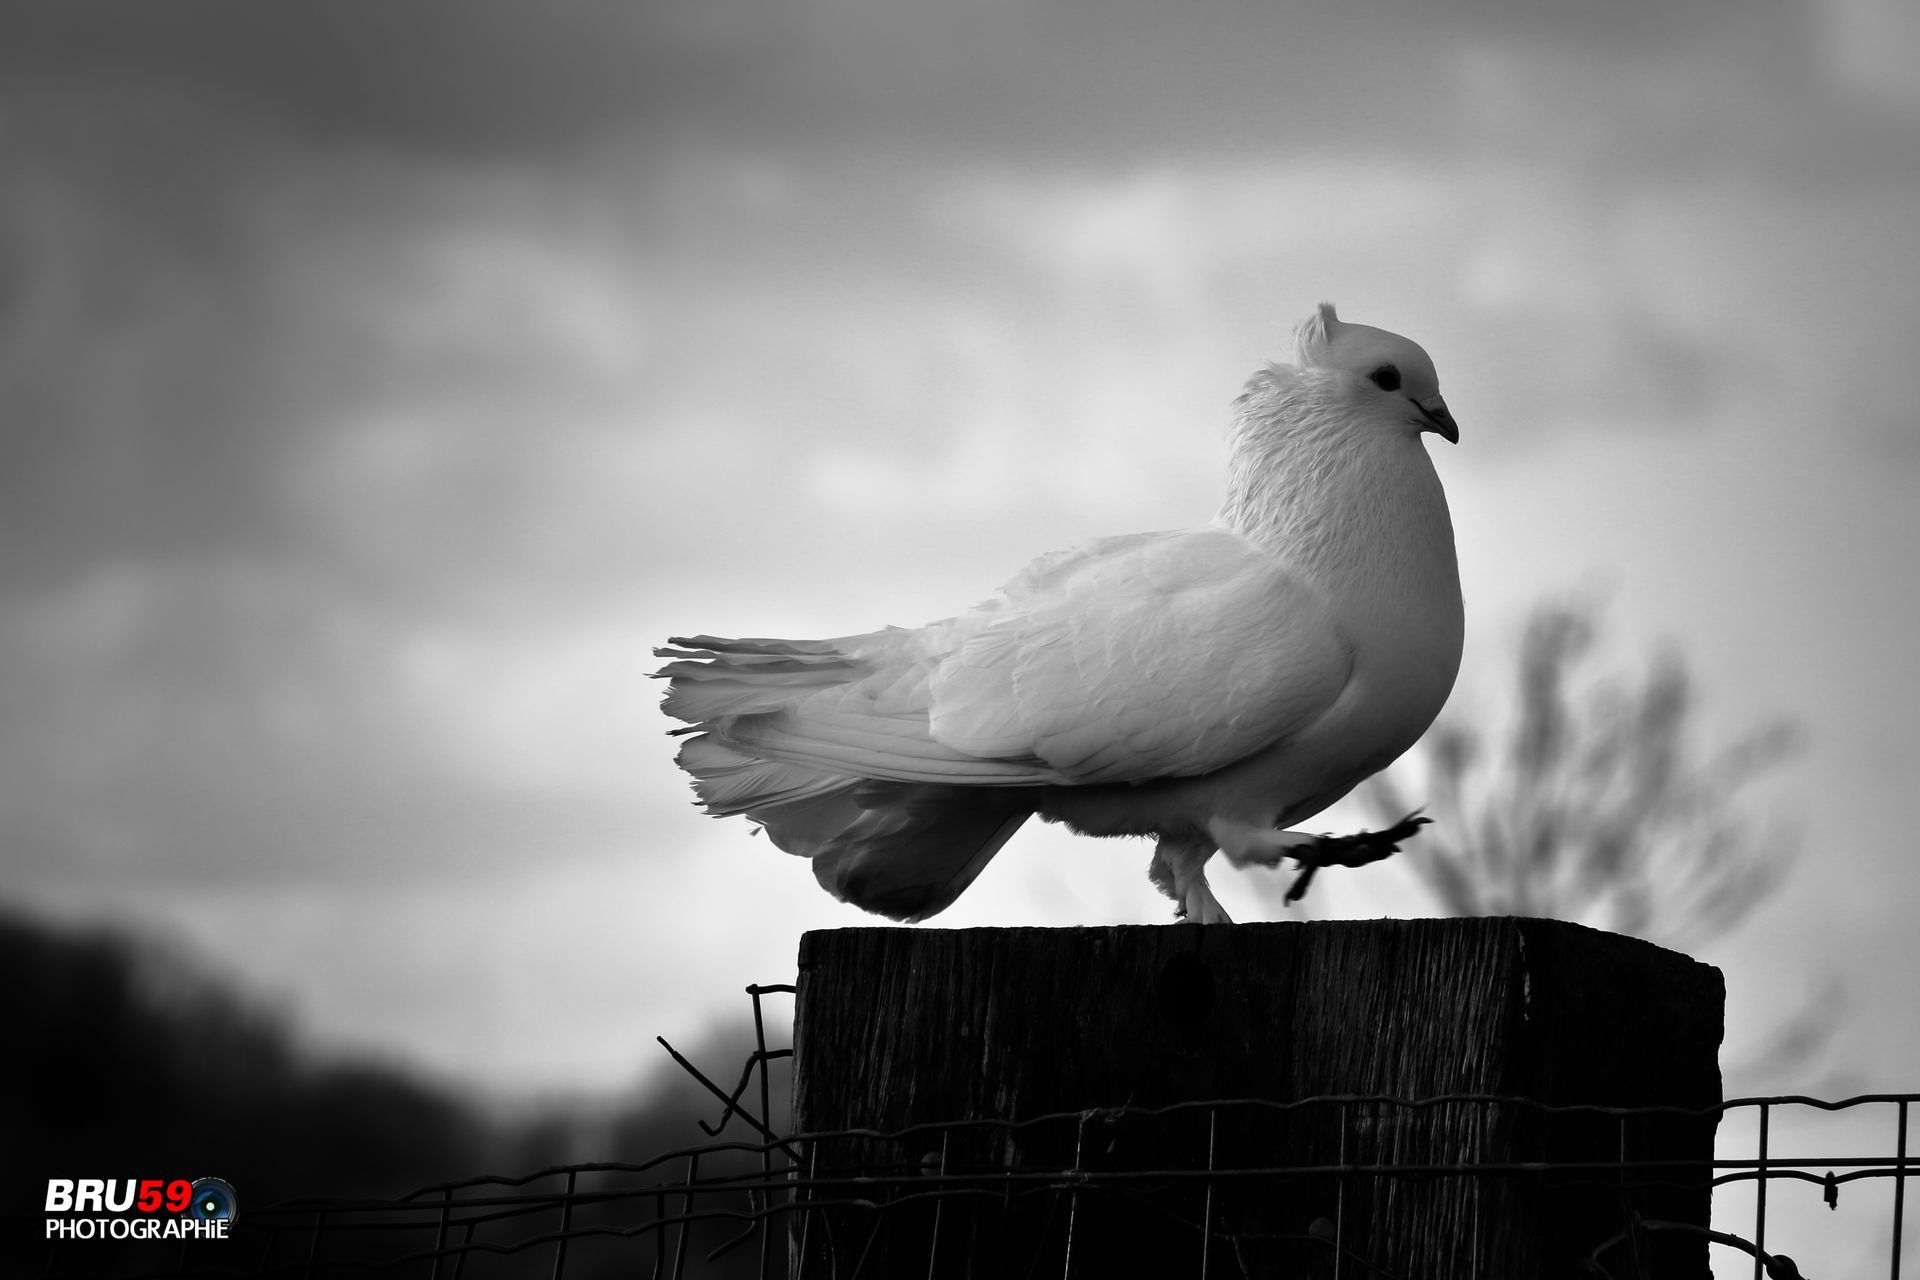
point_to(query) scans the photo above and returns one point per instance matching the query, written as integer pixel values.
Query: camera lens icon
(213, 1201)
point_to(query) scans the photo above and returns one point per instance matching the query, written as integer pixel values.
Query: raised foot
(1356, 850)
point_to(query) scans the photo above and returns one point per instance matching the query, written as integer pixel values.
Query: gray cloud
(478, 78)
(500, 77)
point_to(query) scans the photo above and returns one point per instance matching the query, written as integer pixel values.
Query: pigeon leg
(1248, 845)
(1179, 868)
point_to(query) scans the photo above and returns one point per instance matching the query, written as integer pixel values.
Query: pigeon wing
(1140, 657)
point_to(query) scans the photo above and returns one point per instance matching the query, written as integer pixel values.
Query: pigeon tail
(713, 678)
(915, 847)
(897, 849)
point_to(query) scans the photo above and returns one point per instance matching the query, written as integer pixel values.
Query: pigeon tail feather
(916, 846)
(902, 850)
(855, 707)
(712, 678)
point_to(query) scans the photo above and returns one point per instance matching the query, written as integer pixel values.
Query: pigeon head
(1383, 366)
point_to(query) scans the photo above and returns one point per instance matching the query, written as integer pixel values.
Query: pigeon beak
(1439, 421)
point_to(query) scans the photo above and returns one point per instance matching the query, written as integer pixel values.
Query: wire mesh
(851, 1203)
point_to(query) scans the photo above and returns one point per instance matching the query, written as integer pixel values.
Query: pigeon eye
(1386, 377)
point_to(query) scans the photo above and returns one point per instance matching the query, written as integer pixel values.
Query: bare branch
(1596, 805)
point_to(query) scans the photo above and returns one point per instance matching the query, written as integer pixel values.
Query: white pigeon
(1211, 686)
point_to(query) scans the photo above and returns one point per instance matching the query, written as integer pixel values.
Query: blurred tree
(129, 1055)
(1594, 804)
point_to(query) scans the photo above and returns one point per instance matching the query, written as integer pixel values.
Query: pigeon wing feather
(1140, 657)
(1129, 659)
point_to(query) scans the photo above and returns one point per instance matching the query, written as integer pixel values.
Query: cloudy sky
(380, 381)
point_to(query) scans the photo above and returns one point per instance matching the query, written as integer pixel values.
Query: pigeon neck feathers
(1337, 487)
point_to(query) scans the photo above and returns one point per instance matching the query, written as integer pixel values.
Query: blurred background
(380, 381)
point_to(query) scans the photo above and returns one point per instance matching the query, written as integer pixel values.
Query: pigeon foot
(1179, 868)
(1199, 906)
(1356, 850)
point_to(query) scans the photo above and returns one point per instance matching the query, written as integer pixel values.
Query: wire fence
(1035, 1193)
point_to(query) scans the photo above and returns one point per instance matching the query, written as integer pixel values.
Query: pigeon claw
(1356, 850)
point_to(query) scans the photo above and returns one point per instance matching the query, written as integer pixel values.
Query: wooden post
(896, 1028)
